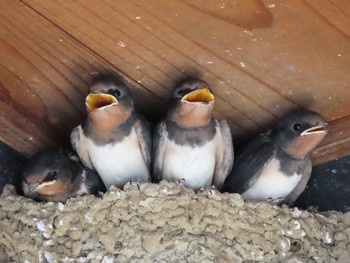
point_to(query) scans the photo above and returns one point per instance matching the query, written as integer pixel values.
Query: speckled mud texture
(167, 223)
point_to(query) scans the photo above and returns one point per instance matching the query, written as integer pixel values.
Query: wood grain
(263, 58)
(44, 76)
(336, 144)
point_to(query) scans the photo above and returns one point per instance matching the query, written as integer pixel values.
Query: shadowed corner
(11, 165)
(328, 187)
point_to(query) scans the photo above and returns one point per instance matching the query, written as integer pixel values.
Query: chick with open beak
(189, 145)
(99, 101)
(114, 140)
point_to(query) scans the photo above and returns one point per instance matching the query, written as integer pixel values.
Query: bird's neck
(191, 115)
(109, 118)
(303, 145)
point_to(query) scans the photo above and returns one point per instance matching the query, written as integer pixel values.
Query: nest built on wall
(167, 222)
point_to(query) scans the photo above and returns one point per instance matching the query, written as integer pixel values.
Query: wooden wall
(262, 59)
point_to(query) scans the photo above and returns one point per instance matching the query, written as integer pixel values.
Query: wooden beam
(44, 77)
(336, 144)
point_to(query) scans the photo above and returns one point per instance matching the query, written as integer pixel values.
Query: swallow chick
(113, 140)
(276, 166)
(53, 176)
(189, 145)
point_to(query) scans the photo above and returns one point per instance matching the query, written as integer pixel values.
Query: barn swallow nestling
(189, 145)
(113, 140)
(53, 176)
(276, 165)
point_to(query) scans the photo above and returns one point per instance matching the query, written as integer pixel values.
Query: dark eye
(180, 92)
(117, 93)
(297, 127)
(51, 176)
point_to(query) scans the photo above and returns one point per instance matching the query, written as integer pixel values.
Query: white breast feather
(272, 183)
(120, 162)
(195, 165)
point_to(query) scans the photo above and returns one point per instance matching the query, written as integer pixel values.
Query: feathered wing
(300, 187)
(143, 130)
(249, 164)
(159, 136)
(224, 155)
(77, 141)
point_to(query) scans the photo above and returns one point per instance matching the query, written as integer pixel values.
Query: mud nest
(167, 223)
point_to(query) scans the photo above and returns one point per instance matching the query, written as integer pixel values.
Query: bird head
(300, 132)
(107, 93)
(109, 104)
(47, 173)
(196, 92)
(191, 103)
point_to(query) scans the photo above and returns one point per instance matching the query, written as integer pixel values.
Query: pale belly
(272, 184)
(194, 165)
(119, 163)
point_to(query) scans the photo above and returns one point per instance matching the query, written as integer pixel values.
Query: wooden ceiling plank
(85, 29)
(172, 36)
(288, 67)
(258, 74)
(36, 81)
(28, 102)
(342, 6)
(336, 144)
(57, 10)
(59, 69)
(332, 14)
(80, 65)
(110, 59)
(22, 58)
(16, 124)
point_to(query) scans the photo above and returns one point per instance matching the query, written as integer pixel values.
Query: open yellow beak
(96, 101)
(321, 129)
(201, 95)
(44, 184)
